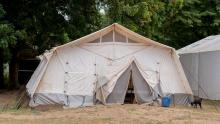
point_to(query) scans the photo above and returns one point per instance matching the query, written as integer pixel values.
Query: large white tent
(200, 62)
(97, 68)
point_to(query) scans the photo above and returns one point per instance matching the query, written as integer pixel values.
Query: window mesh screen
(108, 37)
(119, 37)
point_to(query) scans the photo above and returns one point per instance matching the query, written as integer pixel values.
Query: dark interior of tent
(130, 96)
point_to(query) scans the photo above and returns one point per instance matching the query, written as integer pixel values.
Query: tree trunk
(2, 86)
(13, 70)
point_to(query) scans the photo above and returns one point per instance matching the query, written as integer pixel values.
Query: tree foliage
(7, 38)
(41, 25)
(137, 15)
(172, 22)
(195, 20)
(7, 33)
(53, 22)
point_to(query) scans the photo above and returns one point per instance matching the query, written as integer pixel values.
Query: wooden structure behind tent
(26, 69)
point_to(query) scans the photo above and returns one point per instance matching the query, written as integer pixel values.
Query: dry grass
(113, 114)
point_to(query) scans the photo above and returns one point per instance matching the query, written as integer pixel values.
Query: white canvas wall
(203, 72)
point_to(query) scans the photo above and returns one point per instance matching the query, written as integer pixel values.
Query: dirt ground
(111, 114)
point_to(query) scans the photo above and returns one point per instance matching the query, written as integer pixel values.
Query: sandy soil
(113, 114)
(7, 98)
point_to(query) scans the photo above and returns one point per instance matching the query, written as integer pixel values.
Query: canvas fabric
(200, 62)
(202, 71)
(210, 43)
(92, 66)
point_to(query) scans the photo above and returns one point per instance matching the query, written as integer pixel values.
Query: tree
(138, 15)
(146, 17)
(48, 23)
(83, 17)
(40, 26)
(173, 22)
(7, 38)
(193, 21)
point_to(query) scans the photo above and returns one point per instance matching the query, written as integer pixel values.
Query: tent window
(131, 41)
(96, 41)
(108, 37)
(119, 37)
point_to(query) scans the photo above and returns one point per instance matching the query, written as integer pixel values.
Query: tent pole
(114, 42)
(114, 34)
(126, 37)
(100, 40)
(173, 100)
(96, 79)
(198, 72)
(65, 88)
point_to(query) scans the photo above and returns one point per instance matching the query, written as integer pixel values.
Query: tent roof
(114, 27)
(210, 43)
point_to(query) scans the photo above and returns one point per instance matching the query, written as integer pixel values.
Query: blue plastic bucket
(166, 101)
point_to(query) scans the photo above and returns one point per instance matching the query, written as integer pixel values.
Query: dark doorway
(130, 95)
(26, 69)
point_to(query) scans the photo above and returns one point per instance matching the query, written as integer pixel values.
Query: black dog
(196, 101)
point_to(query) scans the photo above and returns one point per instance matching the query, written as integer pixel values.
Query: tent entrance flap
(131, 87)
(118, 93)
(143, 92)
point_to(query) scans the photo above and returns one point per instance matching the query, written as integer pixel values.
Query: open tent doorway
(131, 88)
(130, 95)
